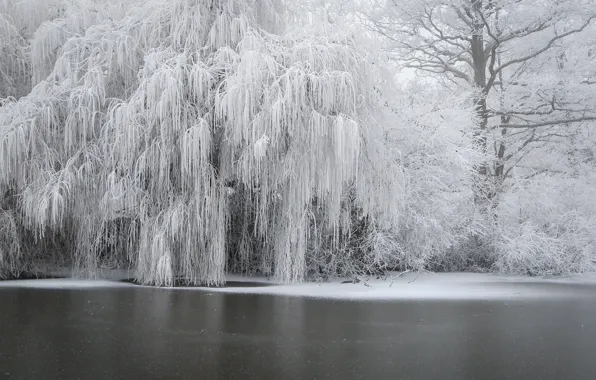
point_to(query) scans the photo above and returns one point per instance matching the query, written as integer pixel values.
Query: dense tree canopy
(526, 67)
(184, 136)
(189, 138)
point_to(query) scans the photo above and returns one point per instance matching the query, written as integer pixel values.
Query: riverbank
(408, 286)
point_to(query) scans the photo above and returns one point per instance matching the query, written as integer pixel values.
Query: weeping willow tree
(185, 138)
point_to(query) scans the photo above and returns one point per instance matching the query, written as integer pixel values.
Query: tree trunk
(482, 188)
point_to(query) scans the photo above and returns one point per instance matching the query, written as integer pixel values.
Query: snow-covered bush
(437, 158)
(10, 248)
(547, 226)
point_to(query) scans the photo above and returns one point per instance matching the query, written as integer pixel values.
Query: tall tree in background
(513, 57)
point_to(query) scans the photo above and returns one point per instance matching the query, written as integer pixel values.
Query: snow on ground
(62, 283)
(428, 286)
(103, 278)
(411, 286)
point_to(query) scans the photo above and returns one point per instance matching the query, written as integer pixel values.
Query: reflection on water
(143, 333)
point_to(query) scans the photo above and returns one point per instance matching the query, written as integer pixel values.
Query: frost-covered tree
(189, 137)
(510, 56)
(526, 66)
(434, 143)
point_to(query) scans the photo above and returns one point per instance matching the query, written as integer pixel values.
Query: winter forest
(302, 140)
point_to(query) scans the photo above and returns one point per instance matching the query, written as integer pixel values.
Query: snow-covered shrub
(547, 226)
(10, 248)
(431, 140)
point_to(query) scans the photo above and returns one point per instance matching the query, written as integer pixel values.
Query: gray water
(142, 333)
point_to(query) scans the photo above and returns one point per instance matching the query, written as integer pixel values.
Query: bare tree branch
(550, 43)
(552, 122)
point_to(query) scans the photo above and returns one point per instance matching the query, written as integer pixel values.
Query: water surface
(144, 333)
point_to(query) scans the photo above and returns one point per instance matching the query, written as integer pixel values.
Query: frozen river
(143, 333)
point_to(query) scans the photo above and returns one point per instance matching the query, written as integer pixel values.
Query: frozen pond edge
(424, 286)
